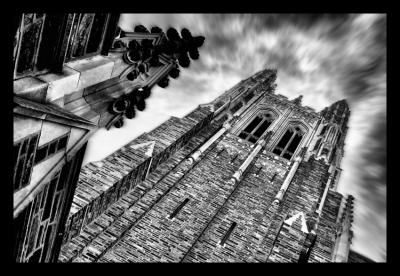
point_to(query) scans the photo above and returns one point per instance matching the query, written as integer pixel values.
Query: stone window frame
(23, 26)
(24, 159)
(75, 19)
(250, 136)
(290, 124)
(56, 48)
(37, 242)
(227, 234)
(46, 147)
(285, 149)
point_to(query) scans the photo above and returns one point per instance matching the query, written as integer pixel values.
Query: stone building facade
(73, 74)
(249, 177)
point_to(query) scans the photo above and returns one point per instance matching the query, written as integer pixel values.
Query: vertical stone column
(260, 143)
(342, 247)
(288, 179)
(195, 156)
(323, 198)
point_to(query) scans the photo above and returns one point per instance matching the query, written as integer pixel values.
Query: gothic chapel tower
(251, 176)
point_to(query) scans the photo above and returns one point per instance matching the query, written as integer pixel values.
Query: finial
(298, 100)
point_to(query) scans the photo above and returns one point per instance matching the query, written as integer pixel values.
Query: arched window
(323, 130)
(256, 128)
(317, 144)
(289, 142)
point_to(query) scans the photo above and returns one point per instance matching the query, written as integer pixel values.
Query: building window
(323, 130)
(26, 42)
(43, 42)
(24, 154)
(174, 213)
(46, 150)
(256, 128)
(289, 142)
(317, 144)
(236, 107)
(88, 30)
(248, 97)
(227, 234)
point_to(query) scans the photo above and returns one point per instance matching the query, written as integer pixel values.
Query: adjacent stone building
(73, 74)
(249, 177)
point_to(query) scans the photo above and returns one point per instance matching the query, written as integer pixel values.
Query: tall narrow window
(236, 107)
(256, 128)
(317, 144)
(51, 148)
(44, 42)
(249, 96)
(289, 143)
(24, 153)
(323, 130)
(227, 234)
(87, 33)
(174, 213)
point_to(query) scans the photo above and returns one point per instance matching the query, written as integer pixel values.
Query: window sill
(75, 76)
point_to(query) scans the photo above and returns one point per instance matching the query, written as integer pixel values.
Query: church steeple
(298, 100)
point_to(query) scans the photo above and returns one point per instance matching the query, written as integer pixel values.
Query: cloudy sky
(323, 57)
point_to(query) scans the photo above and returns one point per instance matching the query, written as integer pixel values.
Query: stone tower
(249, 177)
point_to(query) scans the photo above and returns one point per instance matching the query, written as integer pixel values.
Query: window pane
(41, 154)
(55, 208)
(50, 38)
(18, 174)
(236, 107)
(39, 236)
(24, 146)
(317, 144)
(252, 139)
(49, 198)
(28, 48)
(96, 33)
(82, 35)
(287, 155)
(243, 135)
(46, 242)
(15, 153)
(27, 170)
(277, 151)
(248, 97)
(75, 24)
(253, 124)
(44, 195)
(32, 144)
(262, 128)
(32, 237)
(323, 130)
(35, 257)
(52, 148)
(285, 139)
(28, 18)
(62, 143)
(295, 142)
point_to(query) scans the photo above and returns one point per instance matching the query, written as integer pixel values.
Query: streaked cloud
(323, 57)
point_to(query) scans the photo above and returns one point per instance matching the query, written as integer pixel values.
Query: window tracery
(289, 142)
(253, 131)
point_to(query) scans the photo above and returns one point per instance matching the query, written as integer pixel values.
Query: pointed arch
(257, 124)
(290, 139)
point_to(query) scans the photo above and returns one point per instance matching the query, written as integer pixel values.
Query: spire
(337, 113)
(298, 100)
